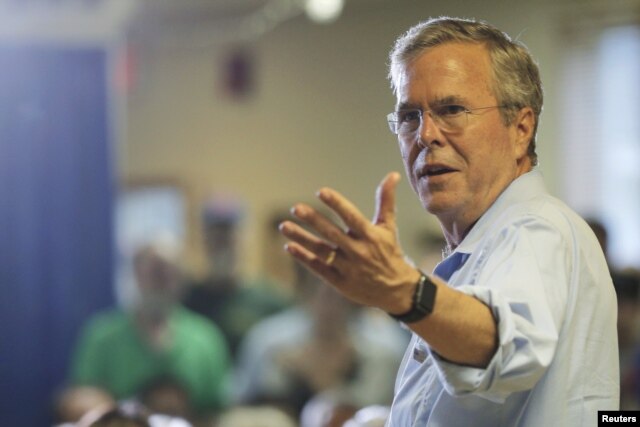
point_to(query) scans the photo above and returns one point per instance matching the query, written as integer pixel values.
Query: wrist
(422, 301)
(402, 300)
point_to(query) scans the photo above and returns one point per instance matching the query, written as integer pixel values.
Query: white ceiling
(201, 22)
(198, 10)
(187, 23)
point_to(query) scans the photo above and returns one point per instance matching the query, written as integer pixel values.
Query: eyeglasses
(448, 118)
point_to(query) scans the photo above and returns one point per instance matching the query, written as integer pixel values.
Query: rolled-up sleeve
(525, 283)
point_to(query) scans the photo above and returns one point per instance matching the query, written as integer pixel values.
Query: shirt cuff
(519, 361)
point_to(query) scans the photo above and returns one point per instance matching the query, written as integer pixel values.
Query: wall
(316, 118)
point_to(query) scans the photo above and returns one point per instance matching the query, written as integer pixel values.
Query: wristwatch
(423, 301)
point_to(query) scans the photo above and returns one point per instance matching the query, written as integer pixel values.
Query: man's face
(458, 175)
(158, 278)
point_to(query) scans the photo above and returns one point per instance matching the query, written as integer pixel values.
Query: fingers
(320, 224)
(313, 262)
(386, 200)
(365, 254)
(307, 240)
(356, 222)
(347, 211)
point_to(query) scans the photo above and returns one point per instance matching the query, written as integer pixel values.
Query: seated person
(322, 344)
(221, 295)
(123, 351)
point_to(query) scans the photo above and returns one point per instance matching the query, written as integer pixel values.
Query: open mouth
(437, 171)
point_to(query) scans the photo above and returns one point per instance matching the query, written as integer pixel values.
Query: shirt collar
(525, 187)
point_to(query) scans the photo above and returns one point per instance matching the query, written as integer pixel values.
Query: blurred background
(200, 122)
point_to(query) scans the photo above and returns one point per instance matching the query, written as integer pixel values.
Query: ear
(523, 126)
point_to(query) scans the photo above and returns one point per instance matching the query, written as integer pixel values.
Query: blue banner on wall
(56, 192)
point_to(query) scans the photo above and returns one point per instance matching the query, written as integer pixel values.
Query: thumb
(386, 200)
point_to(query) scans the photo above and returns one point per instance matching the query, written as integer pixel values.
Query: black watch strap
(423, 301)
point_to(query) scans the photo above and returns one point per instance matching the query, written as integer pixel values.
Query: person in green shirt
(124, 351)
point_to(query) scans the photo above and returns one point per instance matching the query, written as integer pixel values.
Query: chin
(437, 205)
(431, 206)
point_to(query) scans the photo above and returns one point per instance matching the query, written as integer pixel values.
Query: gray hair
(516, 79)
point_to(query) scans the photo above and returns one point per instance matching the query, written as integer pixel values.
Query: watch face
(426, 294)
(423, 301)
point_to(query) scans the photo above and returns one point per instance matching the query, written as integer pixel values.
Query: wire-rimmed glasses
(449, 118)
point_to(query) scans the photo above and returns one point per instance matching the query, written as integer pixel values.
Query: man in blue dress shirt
(517, 326)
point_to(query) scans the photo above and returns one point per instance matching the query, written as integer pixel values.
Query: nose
(429, 132)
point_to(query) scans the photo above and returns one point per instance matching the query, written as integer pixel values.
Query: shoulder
(541, 237)
(526, 205)
(196, 331)
(541, 216)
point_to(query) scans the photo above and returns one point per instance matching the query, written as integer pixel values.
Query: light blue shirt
(540, 269)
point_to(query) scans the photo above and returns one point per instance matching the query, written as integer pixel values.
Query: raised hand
(364, 261)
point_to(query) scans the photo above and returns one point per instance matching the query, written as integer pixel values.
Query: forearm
(461, 329)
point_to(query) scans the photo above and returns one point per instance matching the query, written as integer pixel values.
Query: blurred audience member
(323, 343)
(73, 402)
(124, 415)
(221, 296)
(327, 409)
(126, 351)
(370, 416)
(166, 395)
(255, 416)
(129, 414)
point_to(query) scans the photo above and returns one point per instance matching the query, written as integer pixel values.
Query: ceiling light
(323, 11)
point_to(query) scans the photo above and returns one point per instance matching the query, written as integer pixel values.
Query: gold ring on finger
(330, 258)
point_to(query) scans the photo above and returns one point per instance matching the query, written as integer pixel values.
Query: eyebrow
(445, 100)
(407, 106)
